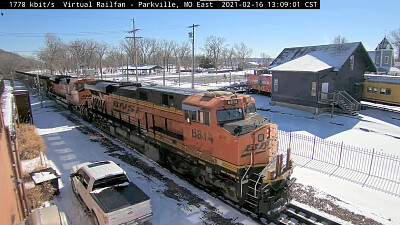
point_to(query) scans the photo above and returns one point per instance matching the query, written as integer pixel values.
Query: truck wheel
(74, 188)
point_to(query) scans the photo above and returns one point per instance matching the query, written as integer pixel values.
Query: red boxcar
(260, 83)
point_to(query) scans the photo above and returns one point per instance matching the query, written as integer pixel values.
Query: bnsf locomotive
(215, 138)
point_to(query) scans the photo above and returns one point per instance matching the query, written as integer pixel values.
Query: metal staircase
(346, 102)
(254, 193)
(343, 100)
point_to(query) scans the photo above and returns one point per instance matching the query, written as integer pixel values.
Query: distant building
(142, 69)
(383, 57)
(309, 78)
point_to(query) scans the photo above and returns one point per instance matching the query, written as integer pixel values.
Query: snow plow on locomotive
(215, 138)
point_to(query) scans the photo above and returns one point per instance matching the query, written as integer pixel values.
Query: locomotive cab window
(250, 110)
(229, 115)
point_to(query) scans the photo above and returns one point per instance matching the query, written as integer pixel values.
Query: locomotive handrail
(241, 181)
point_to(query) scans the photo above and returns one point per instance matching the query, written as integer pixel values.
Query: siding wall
(10, 208)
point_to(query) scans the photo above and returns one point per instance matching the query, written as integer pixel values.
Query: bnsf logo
(124, 106)
(252, 147)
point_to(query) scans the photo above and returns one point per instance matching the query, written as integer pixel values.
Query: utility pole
(191, 35)
(134, 45)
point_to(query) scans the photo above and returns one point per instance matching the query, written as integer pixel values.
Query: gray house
(318, 78)
(383, 57)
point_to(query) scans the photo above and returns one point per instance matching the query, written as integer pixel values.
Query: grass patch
(30, 144)
(39, 194)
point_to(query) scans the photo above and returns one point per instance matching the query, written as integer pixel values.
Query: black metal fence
(367, 167)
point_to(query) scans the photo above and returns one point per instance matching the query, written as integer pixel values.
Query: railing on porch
(341, 99)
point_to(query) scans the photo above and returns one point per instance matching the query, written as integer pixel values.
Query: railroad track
(296, 215)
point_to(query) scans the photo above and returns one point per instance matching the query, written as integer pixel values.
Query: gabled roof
(317, 58)
(385, 44)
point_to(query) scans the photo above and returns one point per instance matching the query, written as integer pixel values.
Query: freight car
(260, 82)
(385, 89)
(215, 138)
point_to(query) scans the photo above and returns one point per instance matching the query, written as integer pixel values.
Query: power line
(134, 30)
(191, 35)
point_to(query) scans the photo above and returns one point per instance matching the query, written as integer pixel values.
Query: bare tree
(90, 52)
(114, 58)
(213, 47)
(66, 60)
(50, 54)
(265, 59)
(395, 36)
(181, 51)
(339, 40)
(77, 48)
(101, 51)
(242, 52)
(167, 49)
(129, 48)
(228, 55)
(146, 47)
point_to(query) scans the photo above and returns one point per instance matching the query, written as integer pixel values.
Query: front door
(324, 91)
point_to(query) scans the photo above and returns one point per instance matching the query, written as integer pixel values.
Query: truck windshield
(229, 115)
(250, 110)
(110, 181)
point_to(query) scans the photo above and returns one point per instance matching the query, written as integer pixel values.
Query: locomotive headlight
(232, 102)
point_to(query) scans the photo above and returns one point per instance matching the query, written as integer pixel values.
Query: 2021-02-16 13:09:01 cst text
(269, 4)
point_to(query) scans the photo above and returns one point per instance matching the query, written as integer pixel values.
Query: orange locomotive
(70, 90)
(217, 138)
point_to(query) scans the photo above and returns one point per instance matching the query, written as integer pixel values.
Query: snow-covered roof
(141, 67)
(325, 56)
(306, 63)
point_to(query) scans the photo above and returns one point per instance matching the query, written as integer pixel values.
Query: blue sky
(263, 30)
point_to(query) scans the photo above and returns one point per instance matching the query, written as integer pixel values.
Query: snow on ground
(68, 146)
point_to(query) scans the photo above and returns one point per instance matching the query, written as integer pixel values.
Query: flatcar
(260, 82)
(215, 138)
(384, 89)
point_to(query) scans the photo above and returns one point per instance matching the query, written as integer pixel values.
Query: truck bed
(115, 198)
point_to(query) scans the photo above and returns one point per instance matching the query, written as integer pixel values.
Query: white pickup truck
(107, 192)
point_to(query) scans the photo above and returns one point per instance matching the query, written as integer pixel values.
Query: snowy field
(371, 129)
